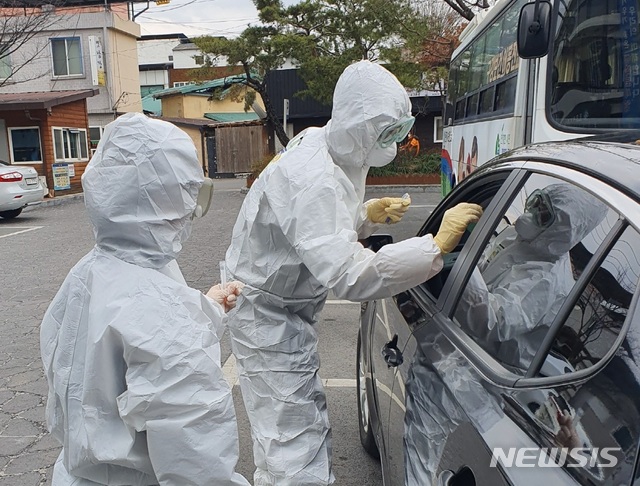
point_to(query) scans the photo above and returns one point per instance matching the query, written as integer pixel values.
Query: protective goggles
(539, 205)
(397, 132)
(205, 195)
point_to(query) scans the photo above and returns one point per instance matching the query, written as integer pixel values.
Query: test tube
(405, 197)
(223, 274)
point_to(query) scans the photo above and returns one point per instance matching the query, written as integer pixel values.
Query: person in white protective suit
(295, 238)
(516, 292)
(131, 353)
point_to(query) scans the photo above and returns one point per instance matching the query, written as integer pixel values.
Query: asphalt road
(39, 248)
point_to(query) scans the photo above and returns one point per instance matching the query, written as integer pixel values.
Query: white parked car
(19, 186)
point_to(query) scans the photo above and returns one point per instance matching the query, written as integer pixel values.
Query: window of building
(67, 56)
(70, 144)
(25, 145)
(178, 84)
(95, 134)
(437, 129)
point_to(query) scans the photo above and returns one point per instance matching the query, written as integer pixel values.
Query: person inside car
(517, 289)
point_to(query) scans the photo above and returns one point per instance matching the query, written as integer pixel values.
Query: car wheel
(367, 437)
(10, 214)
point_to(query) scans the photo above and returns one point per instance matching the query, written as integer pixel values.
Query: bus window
(506, 94)
(472, 105)
(595, 77)
(477, 65)
(486, 100)
(460, 109)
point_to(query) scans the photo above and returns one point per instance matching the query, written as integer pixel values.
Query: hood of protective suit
(367, 99)
(141, 188)
(577, 213)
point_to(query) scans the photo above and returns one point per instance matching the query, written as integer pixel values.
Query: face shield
(396, 133)
(203, 202)
(539, 205)
(538, 215)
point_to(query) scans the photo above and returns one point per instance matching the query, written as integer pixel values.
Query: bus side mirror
(534, 27)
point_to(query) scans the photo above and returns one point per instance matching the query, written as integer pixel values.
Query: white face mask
(527, 228)
(379, 157)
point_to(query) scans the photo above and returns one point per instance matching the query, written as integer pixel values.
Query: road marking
(385, 389)
(230, 373)
(339, 383)
(31, 228)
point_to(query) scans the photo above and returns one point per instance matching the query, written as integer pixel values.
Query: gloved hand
(454, 223)
(226, 297)
(387, 210)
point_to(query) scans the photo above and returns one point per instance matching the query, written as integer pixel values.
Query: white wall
(156, 51)
(37, 74)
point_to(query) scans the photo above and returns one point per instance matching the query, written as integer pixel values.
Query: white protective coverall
(131, 353)
(296, 237)
(512, 299)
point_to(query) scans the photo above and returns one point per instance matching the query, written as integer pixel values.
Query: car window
(479, 191)
(524, 275)
(597, 317)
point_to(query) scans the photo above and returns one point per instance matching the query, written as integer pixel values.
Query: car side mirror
(375, 242)
(534, 27)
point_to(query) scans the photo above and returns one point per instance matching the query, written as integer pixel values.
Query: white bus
(586, 81)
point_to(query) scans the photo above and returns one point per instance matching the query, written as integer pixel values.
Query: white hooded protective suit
(512, 299)
(296, 237)
(131, 353)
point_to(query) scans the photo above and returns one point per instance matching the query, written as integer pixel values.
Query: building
(49, 132)
(84, 48)
(172, 61)
(283, 84)
(155, 60)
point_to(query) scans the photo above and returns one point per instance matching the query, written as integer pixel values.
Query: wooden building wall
(69, 115)
(238, 147)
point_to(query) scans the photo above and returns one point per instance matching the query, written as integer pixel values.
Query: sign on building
(96, 56)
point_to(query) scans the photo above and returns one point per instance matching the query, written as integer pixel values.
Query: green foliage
(408, 164)
(323, 37)
(403, 164)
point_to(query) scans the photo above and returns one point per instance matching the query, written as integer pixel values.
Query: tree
(321, 37)
(258, 50)
(20, 26)
(465, 7)
(434, 46)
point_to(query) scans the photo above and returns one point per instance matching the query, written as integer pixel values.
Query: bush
(259, 165)
(424, 163)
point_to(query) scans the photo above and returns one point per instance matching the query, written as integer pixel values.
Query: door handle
(391, 354)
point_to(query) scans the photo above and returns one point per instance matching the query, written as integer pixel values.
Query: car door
(469, 395)
(398, 317)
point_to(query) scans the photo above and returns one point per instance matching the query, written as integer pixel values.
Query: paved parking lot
(37, 250)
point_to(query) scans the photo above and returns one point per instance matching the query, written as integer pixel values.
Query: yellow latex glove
(387, 210)
(454, 223)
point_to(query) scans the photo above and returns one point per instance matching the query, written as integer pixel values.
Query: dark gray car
(519, 363)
